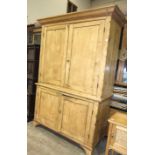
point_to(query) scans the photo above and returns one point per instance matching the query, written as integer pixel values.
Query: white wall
(37, 9)
(122, 4)
(82, 4)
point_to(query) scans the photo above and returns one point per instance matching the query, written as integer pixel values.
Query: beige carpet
(42, 141)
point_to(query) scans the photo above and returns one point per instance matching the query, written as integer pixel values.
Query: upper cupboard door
(53, 53)
(83, 57)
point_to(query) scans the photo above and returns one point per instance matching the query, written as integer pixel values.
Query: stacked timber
(119, 98)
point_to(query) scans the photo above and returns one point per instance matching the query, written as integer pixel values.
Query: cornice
(112, 11)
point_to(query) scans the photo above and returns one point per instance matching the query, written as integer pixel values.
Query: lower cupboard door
(48, 104)
(76, 118)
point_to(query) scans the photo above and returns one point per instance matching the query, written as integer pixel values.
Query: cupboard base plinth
(87, 151)
(35, 123)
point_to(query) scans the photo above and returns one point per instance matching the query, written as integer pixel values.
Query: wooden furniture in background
(113, 111)
(32, 61)
(121, 72)
(71, 7)
(33, 52)
(30, 34)
(117, 134)
(33, 35)
(76, 73)
(122, 84)
(122, 61)
(37, 35)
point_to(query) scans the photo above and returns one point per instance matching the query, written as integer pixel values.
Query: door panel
(53, 54)
(76, 117)
(83, 51)
(48, 108)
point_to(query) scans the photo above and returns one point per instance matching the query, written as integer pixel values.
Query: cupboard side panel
(101, 121)
(111, 59)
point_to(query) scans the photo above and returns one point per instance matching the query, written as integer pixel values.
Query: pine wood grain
(76, 73)
(117, 135)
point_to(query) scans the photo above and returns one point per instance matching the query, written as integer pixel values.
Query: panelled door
(47, 110)
(83, 56)
(53, 52)
(76, 118)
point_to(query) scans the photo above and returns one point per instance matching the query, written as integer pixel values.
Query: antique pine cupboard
(76, 73)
